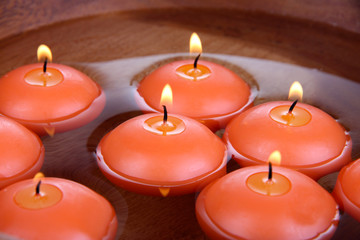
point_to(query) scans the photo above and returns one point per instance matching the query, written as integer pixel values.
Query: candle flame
(195, 44)
(275, 157)
(38, 176)
(296, 91)
(44, 52)
(166, 96)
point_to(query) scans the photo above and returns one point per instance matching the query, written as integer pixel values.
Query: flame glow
(275, 157)
(38, 176)
(296, 91)
(195, 44)
(166, 96)
(44, 52)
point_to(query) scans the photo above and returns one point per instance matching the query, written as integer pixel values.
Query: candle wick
(165, 114)
(270, 171)
(196, 60)
(37, 189)
(45, 65)
(292, 106)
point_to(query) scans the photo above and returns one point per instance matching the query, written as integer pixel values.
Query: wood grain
(17, 16)
(312, 35)
(153, 32)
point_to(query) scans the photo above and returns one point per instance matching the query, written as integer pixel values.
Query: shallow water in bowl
(268, 79)
(71, 154)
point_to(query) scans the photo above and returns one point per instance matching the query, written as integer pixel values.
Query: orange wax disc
(212, 94)
(148, 162)
(80, 213)
(315, 145)
(347, 189)
(68, 98)
(21, 152)
(229, 209)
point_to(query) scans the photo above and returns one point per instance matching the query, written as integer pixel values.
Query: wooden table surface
(324, 35)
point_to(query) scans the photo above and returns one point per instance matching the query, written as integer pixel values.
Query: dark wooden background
(322, 34)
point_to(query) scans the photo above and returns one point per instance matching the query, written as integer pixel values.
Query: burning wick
(37, 189)
(165, 114)
(270, 172)
(45, 65)
(292, 106)
(196, 60)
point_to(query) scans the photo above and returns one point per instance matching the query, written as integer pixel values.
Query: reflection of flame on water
(275, 157)
(44, 52)
(164, 191)
(50, 130)
(296, 91)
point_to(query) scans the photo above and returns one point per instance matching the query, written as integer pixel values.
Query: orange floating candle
(347, 189)
(50, 97)
(203, 90)
(310, 140)
(250, 204)
(21, 152)
(55, 208)
(161, 155)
